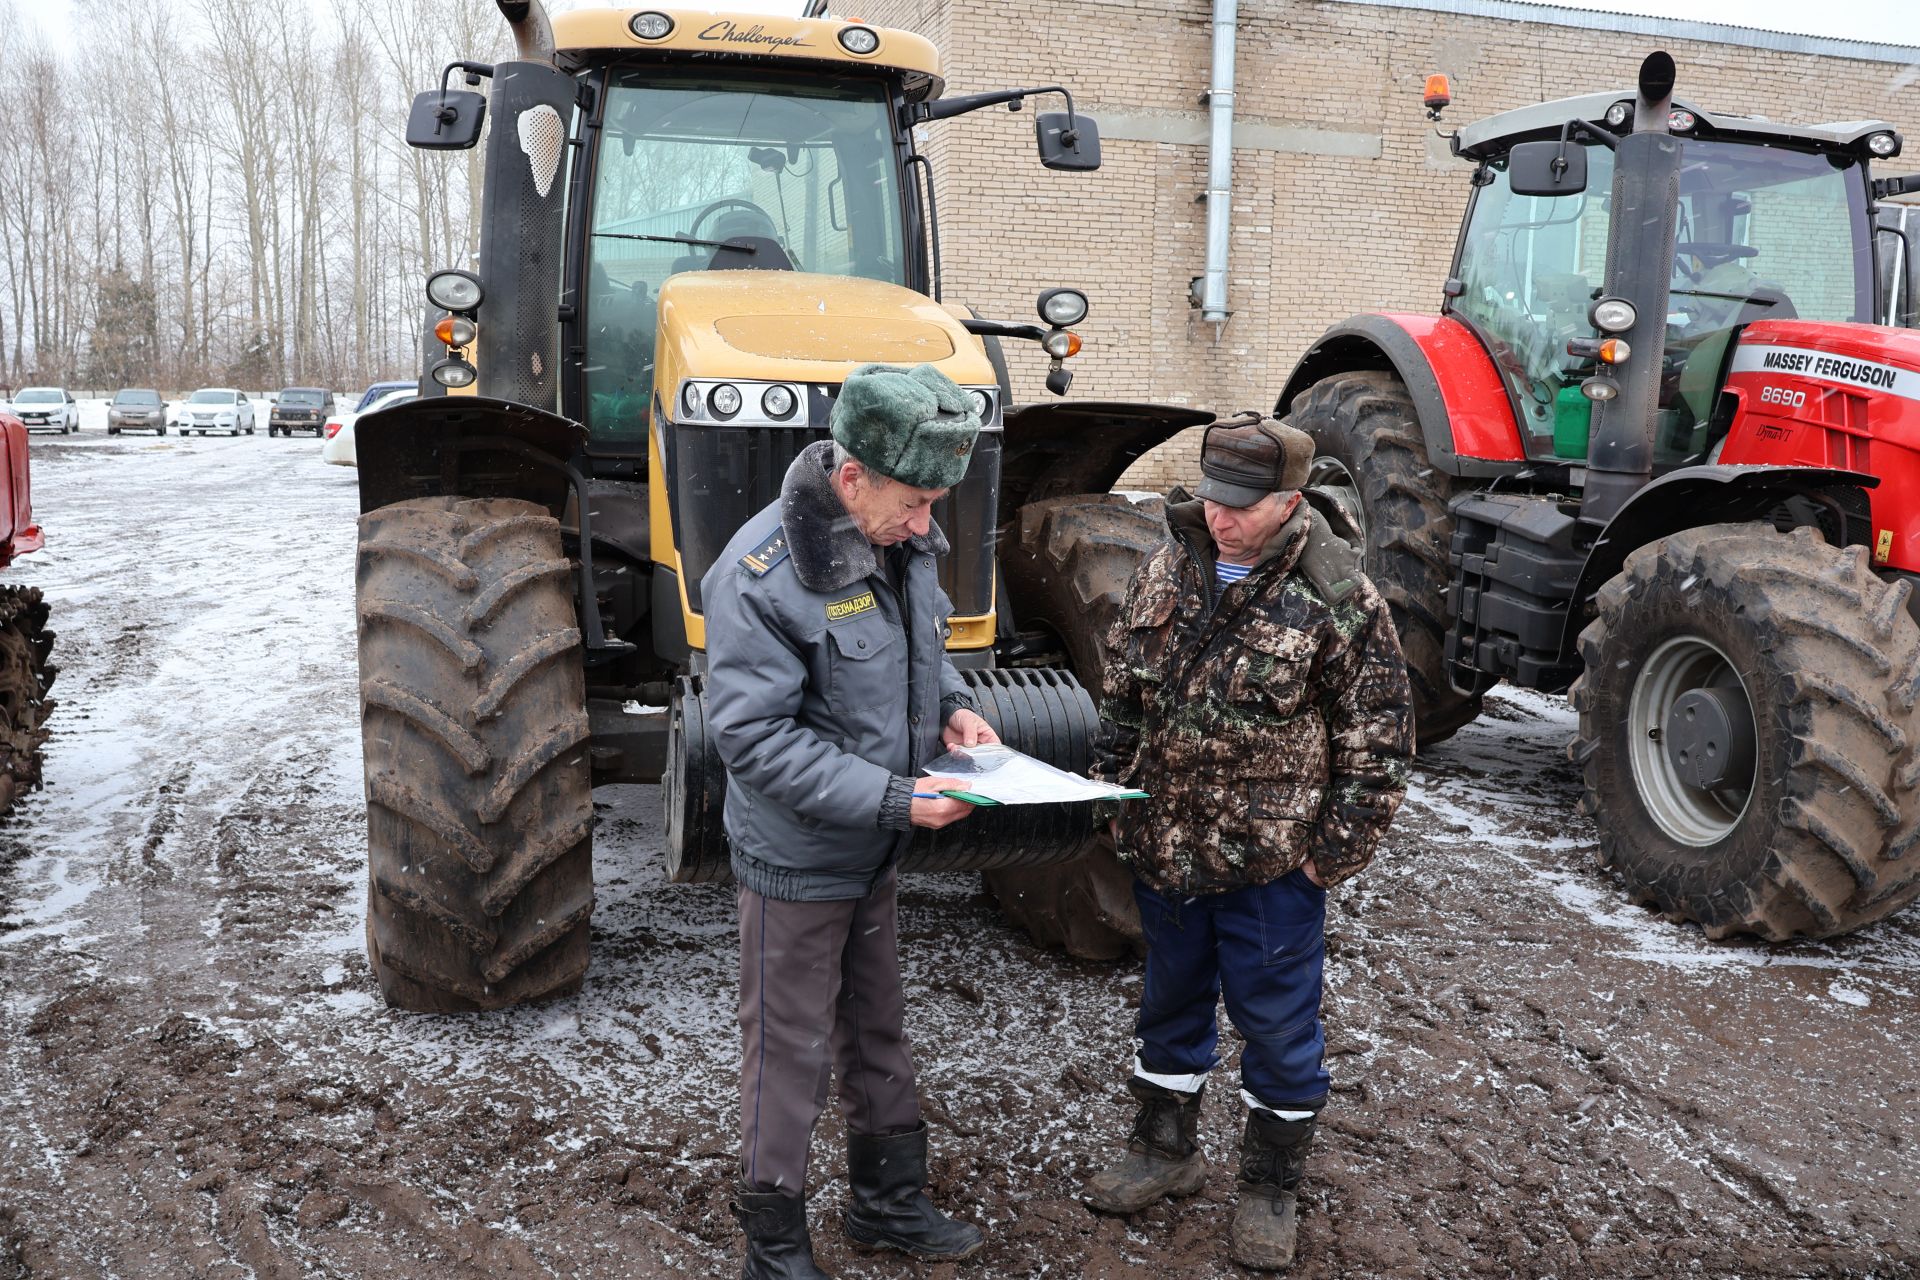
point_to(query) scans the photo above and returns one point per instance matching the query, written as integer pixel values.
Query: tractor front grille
(719, 477)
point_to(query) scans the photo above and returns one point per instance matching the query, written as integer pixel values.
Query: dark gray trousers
(819, 993)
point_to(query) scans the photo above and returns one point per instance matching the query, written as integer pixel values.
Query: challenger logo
(862, 603)
(756, 34)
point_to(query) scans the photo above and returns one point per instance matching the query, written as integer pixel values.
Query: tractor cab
(1768, 222)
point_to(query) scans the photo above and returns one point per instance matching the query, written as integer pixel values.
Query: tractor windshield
(702, 171)
(1761, 232)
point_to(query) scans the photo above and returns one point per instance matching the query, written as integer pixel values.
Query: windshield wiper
(1758, 298)
(705, 244)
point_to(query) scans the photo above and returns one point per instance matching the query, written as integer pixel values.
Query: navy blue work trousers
(1263, 947)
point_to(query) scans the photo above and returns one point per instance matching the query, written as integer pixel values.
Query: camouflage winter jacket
(1270, 720)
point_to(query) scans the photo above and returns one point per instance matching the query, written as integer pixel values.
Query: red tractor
(1655, 451)
(25, 674)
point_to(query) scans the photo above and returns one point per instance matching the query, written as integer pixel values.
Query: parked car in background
(47, 409)
(137, 409)
(339, 446)
(300, 409)
(217, 409)
(380, 389)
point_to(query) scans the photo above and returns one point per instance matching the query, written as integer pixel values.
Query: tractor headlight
(1612, 315)
(778, 401)
(1599, 388)
(1618, 114)
(859, 40)
(454, 373)
(650, 26)
(1063, 307)
(1680, 120)
(1884, 145)
(725, 400)
(454, 290)
(982, 404)
(690, 401)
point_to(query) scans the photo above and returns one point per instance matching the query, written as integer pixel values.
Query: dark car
(137, 409)
(379, 389)
(300, 409)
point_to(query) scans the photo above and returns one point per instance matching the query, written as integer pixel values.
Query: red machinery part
(1478, 410)
(1836, 395)
(18, 533)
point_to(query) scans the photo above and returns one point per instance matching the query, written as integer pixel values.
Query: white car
(339, 446)
(47, 409)
(216, 409)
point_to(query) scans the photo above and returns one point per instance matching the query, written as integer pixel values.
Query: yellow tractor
(694, 226)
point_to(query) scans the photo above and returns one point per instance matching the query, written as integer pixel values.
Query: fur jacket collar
(829, 551)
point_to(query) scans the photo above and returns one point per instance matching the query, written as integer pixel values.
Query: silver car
(137, 409)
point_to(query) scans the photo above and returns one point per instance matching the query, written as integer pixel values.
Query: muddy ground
(1532, 1078)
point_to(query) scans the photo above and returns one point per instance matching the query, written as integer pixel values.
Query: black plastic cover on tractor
(1043, 712)
(522, 237)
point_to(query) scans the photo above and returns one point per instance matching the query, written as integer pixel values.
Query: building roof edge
(1637, 24)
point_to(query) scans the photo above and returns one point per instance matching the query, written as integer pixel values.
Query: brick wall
(1344, 200)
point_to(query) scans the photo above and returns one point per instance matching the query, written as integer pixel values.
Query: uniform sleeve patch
(760, 561)
(862, 603)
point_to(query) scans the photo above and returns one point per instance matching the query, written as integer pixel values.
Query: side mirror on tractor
(446, 119)
(1067, 140)
(1547, 169)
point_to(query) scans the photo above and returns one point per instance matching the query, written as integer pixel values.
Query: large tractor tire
(25, 677)
(1747, 733)
(1371, 458)
(474, 725)
(1067, 564)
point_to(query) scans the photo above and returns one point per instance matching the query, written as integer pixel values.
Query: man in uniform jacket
(1255, 687)
(828, 688)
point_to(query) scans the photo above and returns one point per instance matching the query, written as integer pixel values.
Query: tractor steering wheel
(1713, 252)
(726, 202)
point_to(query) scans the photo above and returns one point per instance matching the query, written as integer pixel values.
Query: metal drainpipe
(1213, 286)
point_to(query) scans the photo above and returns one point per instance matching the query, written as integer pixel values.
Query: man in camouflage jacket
(1255, 688)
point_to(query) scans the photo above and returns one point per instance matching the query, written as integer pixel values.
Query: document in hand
(997, 774)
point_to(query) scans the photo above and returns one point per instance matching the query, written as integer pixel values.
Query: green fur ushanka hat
(915, 425)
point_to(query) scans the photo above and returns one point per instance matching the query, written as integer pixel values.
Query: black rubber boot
(889, 1206)
(1273, 1156)
(1163, 1155)
(778, 1247)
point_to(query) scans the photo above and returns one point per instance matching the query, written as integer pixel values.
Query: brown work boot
(1163, 1155)
(1273, 1155)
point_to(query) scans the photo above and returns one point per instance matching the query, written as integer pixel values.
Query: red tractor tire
(1821, 837)
(1368, 443)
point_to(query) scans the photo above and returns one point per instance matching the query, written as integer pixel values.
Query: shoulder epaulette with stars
(760, 561)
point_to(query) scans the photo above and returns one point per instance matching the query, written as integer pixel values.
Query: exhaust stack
(1640, 247)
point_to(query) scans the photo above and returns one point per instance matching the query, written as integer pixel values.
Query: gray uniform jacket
(826, 690)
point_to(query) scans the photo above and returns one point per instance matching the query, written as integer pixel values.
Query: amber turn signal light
(455, 331)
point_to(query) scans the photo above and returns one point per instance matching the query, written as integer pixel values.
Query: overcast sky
(1885, 21)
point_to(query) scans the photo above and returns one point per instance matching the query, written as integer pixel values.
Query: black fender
(1377, 342)
(468, 447)
(1056, 448)
(1833, 501)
